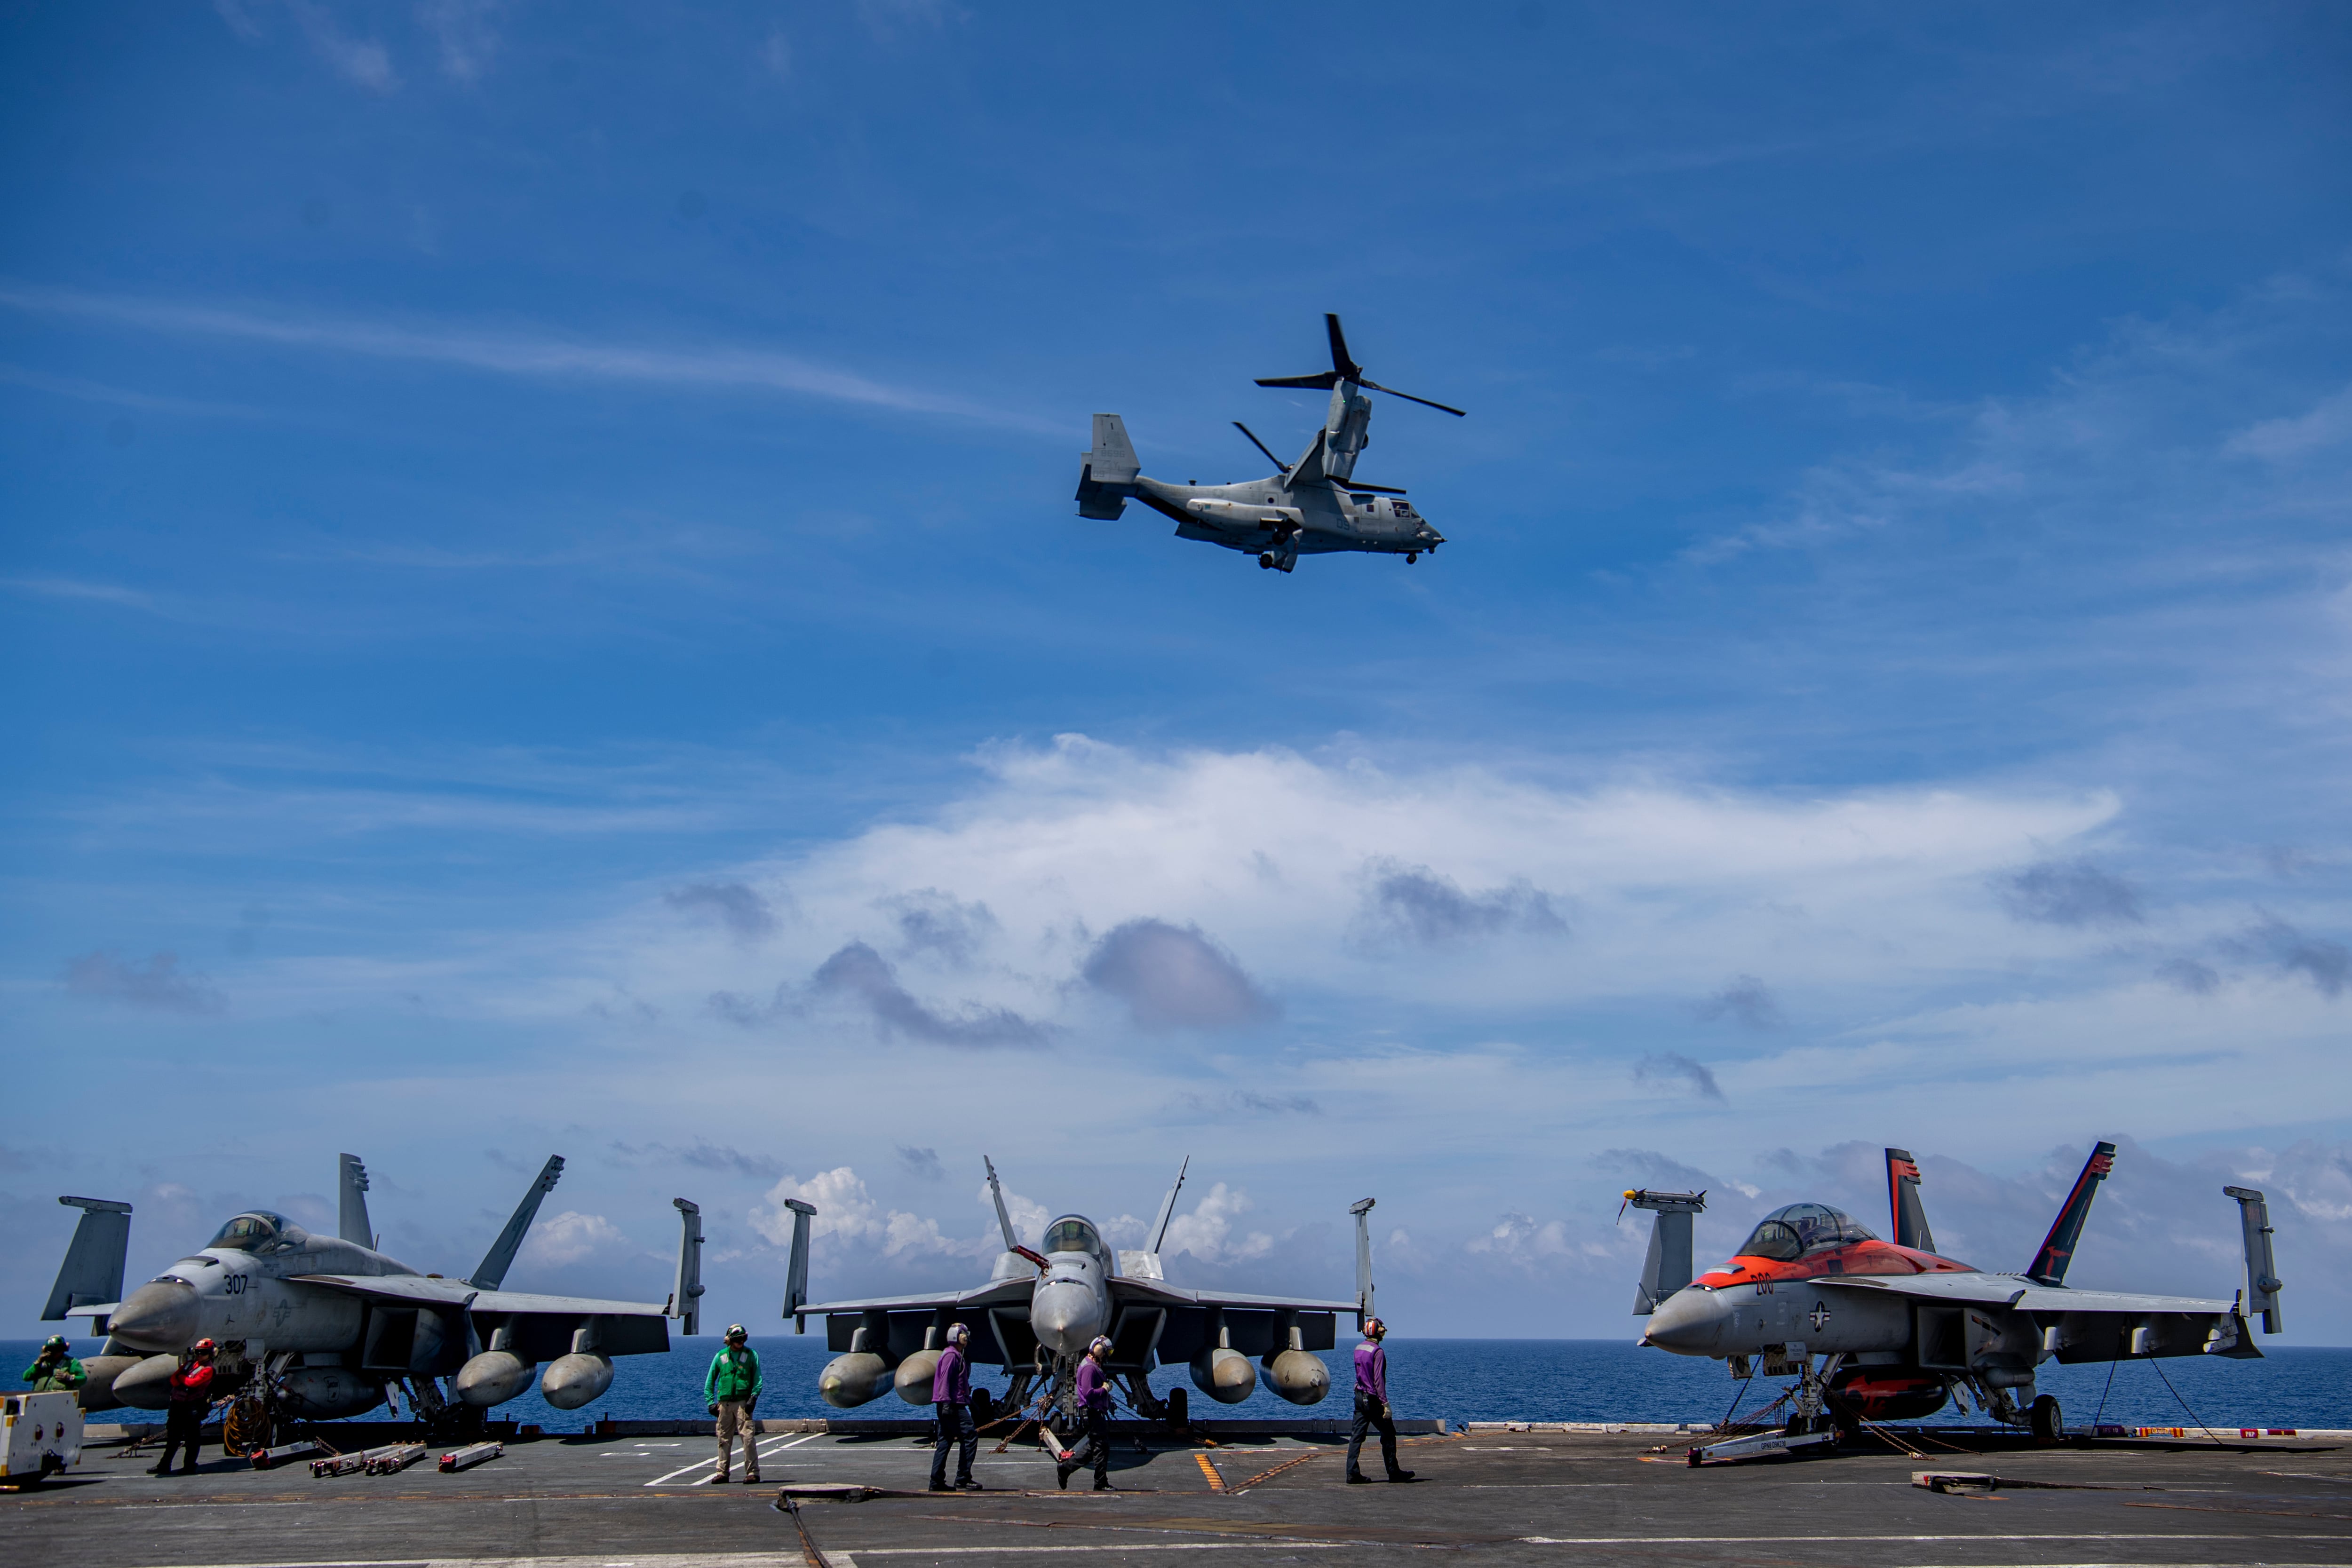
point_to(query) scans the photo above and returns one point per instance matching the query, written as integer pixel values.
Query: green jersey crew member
(731, 1389)
(54, 1371)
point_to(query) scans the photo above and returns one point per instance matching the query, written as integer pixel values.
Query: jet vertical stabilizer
(1108, 477)
(686, 1299)
(1145, 1263)
(351, 1221)
(1361, 1208)
(2058, 1247)
(797, 1271)
(2263, 1283)
(1667, 1268)
(1903, 1206)
(91, 1274)
(501, 1255)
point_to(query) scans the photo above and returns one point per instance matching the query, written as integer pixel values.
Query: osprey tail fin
(2058, 1247)
(1108, 476)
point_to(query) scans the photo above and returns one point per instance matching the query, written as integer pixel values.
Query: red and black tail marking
(2058, 1247)
(1902, 1201)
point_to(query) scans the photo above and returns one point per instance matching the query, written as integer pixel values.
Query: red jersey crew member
(1094, 1406)
(1372, 1407)
(191, 1397)
(951, 1413)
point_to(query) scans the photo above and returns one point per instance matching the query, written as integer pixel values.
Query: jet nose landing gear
(1411, 556)
(1269, 561)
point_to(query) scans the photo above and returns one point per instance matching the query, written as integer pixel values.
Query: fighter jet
(322, 1326)
(1313, 506)
(1875, 1331)
(1038, 1312)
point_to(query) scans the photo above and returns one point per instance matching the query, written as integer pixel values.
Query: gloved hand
(751, 1406)
(714, 1409)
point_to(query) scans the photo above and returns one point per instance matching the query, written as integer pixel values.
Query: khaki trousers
(734, 1421)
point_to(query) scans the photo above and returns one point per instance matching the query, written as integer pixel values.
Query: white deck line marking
(1934, 1539)
(709, 1467)
(849, 1559)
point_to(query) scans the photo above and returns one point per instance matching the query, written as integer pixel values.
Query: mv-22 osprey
(322, 1326)
(1313, 506)
(1038, 1312)
(1877, 1331)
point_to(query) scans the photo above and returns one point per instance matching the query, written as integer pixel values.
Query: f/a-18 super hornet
(1039, 1311)
(1878, 1331)
(1313, 506)
(321, 1326)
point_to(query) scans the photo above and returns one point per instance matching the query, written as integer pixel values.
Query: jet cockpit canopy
(258, 1231)
(1790, 1232)
(1075, 1233)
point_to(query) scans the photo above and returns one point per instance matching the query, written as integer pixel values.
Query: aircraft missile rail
(473, 1454)
(269, 1458)
(393, 1458)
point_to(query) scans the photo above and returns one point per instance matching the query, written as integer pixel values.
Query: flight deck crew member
(731, 1389)
(1372, 1407)
(54, 1371)
(951, 1412)
(192, 1399)
(1094, 1406)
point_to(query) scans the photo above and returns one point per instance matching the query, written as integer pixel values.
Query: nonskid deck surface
(1488, 1496)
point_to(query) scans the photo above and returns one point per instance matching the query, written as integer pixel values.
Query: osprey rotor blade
(1323, 383)
(1342, 362)
(1284, 469)
(1440, 407)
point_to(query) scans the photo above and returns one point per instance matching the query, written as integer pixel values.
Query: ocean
(1536, 1380)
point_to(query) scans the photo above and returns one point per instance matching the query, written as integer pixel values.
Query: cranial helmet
(1374, 1328)
(737, 1331)
(55, 1341)
(204, 1347)
(958, 1334)
(1101, 1346)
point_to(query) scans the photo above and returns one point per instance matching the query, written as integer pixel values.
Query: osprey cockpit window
(1072, 1234)
(1789, 1233)
(259, 1231)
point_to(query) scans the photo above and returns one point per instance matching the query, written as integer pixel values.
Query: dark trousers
(950, 1424)
(184, 1424)
(1369, 1414)
(1094, 1448)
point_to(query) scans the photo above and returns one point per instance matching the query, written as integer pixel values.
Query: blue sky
(543, 614)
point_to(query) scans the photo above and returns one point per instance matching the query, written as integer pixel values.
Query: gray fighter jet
(1875, 1331)
(1038, 1312)
(322, 1326)
(1313, 506)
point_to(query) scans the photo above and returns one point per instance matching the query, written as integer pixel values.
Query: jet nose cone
(158, 1316)
(1065, 1315)
(1685, 1323)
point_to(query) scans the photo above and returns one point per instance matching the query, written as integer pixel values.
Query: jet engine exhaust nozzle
(161, 1315)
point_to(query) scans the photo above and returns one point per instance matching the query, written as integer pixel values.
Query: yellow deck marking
(1216, 1481)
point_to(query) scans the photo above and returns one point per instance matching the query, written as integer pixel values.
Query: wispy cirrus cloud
(534, 354)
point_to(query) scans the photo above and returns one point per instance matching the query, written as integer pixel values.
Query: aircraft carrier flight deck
(1487, 1495)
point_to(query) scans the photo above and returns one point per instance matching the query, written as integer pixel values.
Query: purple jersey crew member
(952, 1383)
(952, 1417)
(1094, 1385)
(1372, 1407)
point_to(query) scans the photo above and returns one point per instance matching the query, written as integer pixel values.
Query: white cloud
(2328, 423)
(362, 60)
(570, 1237)
(538, 356)
(1209, 1233)
(464, 32)
(848, 1213)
